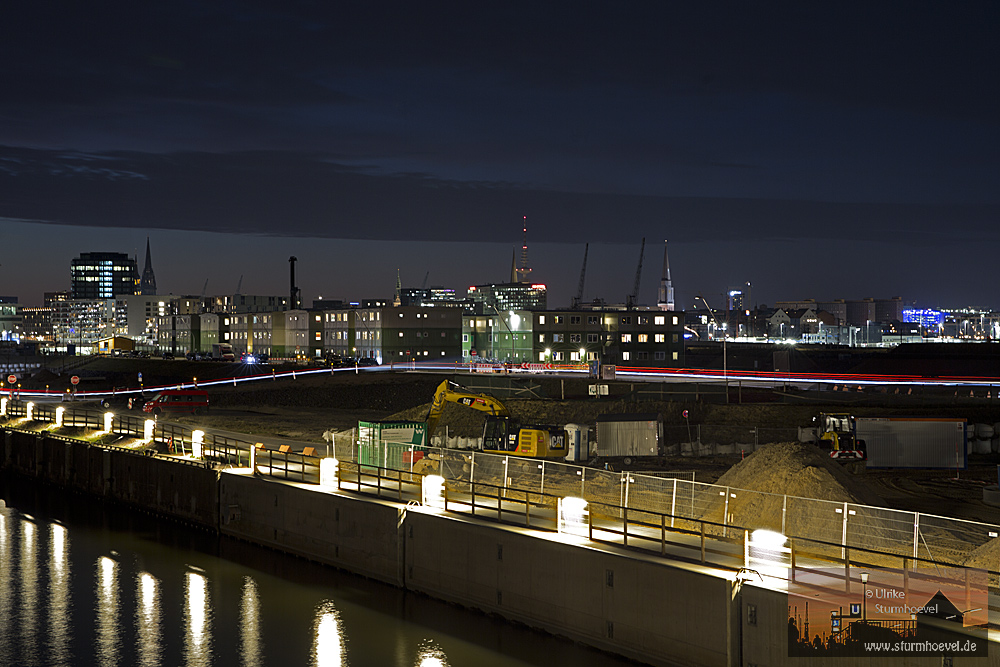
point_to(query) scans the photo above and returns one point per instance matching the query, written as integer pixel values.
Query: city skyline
(817, 152)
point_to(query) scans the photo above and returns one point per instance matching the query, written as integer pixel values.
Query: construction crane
(634, 296)
(239, 285)
(204, 289)
(424, 284)
(578, 299)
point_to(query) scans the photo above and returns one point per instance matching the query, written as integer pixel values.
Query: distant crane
(634, 296)
(424, 284)
(204, 289)
(578, 299)
(239, 285)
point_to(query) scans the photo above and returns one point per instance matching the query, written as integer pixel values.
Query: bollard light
(573, 516)
(60, 412)
(197, 438)
(147, 430)
(432, 491)
(3, 407)
(253, 456)
(31, 410)
(328, 471)
(108, 420)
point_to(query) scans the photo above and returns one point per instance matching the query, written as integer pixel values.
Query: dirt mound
(795, 469)
(986, 557)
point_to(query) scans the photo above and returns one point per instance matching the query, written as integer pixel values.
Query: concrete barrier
(360, 535)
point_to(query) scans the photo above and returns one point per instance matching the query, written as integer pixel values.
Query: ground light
(108, 420)
(3, 407)
(31, 410)
(60, 414)
(573, 516)
(147, 430)
(328, 471)
(767, 553)
(432, 491)
(197, 441)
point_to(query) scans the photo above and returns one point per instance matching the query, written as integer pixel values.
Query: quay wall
(645, 608)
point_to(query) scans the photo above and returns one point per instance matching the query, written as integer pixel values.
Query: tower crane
(583, 276)
(634, 296)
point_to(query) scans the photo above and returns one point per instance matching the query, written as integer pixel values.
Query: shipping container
(905, 442)
(629, 436)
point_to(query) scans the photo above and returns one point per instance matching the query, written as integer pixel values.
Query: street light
(864, 601)
(725, 374)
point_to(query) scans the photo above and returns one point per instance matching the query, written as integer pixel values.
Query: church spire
(147, 285)
(665, 297)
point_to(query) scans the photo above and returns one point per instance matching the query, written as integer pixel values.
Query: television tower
(523, 273)
(665, 296)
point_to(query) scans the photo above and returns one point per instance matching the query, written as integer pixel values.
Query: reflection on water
(87, 585)
(147, 620)
(250, 644)
(107, 612)
(430, 655)
(197, 644)
(29, 593)
(329, 647)
(59, 630)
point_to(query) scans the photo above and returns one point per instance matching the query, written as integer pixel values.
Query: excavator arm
(449, 392)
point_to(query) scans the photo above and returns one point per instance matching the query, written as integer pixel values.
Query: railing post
(916, 534)
(673, 504)
(472, 485)
(791, 543)
(527, 510)
(625, 526)
(663, 534)
(590, 524)
(702, 542)
(784, 511)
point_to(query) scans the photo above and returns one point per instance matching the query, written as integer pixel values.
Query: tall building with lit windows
(103, 275)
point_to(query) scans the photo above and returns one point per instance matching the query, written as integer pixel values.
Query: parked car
(367, 361)
(168, 355)
(194, 401)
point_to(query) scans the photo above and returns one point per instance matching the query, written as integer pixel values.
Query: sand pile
(796, 469)
(986, 557)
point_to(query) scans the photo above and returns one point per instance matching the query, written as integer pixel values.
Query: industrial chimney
(293, 302)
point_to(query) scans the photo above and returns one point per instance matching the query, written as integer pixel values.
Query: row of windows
(596, 338)
(659, 320)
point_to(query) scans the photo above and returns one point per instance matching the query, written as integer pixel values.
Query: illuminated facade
(103, 275)
(505, 297)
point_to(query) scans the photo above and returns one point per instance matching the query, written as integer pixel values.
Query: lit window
(660, 319)
(626, 338)
(541, 319)
(658, 338)
(626, 356)
(675, 321)
(643, 338)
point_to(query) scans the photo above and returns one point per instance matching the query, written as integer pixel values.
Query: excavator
(502, 434)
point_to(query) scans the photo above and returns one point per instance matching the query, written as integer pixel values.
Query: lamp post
(864, 601)
(725, 374)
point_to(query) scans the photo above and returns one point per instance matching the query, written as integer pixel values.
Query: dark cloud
(292, 194)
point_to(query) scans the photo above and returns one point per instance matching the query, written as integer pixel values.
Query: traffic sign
(75, 379)
(12, 379)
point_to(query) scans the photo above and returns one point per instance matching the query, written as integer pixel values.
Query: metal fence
(834, 527)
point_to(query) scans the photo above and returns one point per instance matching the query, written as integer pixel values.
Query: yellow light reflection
(148, 620)
(59, 630)
(329, 649)
(107, 612)
(197, 643)
(430, 655)
(29, 591)
(250, 624)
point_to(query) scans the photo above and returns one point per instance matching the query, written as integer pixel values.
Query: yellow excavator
(502, 434)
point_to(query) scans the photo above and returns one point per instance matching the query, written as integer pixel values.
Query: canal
(88, 583)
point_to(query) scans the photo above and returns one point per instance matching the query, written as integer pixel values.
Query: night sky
(818, 150)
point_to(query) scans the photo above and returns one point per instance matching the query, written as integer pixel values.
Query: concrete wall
(360, 535)
(638, 607)
(184, 491)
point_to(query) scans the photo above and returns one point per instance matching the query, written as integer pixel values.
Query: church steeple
(665, 297)
(147, 285)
